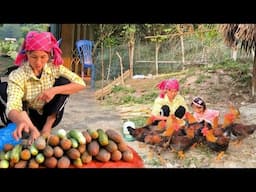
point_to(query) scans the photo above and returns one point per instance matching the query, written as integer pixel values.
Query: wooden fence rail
(107, 89)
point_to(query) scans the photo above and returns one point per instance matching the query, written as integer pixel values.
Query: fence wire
(170, 57)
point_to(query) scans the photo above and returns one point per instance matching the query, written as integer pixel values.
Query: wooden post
(67, 44)
(121, 66)
(156, 56)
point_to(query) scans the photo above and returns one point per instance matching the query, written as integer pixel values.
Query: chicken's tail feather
(131, 130)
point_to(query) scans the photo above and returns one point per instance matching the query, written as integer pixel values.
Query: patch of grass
(206, 151)
(147, 98)
(191, 161)
(127, 99)
(189, 72)
(201, 78)
(123, 95)
(230, 65)
(155, 161)
(139, 121)
(186, 91)
(123, 89)
(144, 99)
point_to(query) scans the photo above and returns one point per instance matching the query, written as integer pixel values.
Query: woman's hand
(160, 117)
(45, 134)
(34, 133)
(25, 127)
(24, 124)
(47, 95)
(17, 134)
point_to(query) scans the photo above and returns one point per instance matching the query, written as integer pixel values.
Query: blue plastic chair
(84, 49)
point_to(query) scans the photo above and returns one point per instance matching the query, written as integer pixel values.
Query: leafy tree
(129, 31)
(159, 33)
(25, 28)
(17, 31)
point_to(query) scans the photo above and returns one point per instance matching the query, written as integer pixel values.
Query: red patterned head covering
(40, 41)
(167, 85)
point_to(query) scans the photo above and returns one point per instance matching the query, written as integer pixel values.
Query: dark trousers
(165, 111)
(55, 106)
(3, 99)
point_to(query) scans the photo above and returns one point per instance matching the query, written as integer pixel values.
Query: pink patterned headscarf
(40, 41)
(167, 85)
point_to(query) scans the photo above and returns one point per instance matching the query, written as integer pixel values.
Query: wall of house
(67, 45)
(70, 33)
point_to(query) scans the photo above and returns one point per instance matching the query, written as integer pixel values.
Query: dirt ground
(217, 91)
(83, 111)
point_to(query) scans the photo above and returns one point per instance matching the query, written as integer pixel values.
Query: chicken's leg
(220, 155)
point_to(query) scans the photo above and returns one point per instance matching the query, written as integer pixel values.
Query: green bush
(8, 48)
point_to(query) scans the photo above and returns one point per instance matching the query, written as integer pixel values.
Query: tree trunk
(131, 55)
(156, 58)
(234, 53)
(109, 62)
(102, 68)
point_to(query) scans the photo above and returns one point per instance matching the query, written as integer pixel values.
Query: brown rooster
(182, 140)
(140, 133)
(216, 139)
(153, 138)
(233, 110)
(239, 131)
(150, 134)
(189, 118)
(173, 124)
(185, 137)
(150, 120)
(161, 124)
(196, 129)
(229, 118)
(215, 122)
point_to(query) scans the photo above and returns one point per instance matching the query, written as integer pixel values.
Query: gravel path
(83, 111)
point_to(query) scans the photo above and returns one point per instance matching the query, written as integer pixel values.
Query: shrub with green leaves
(8, 48)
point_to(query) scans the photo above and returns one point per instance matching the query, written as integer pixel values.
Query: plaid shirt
(23, 85)
(159, 102)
